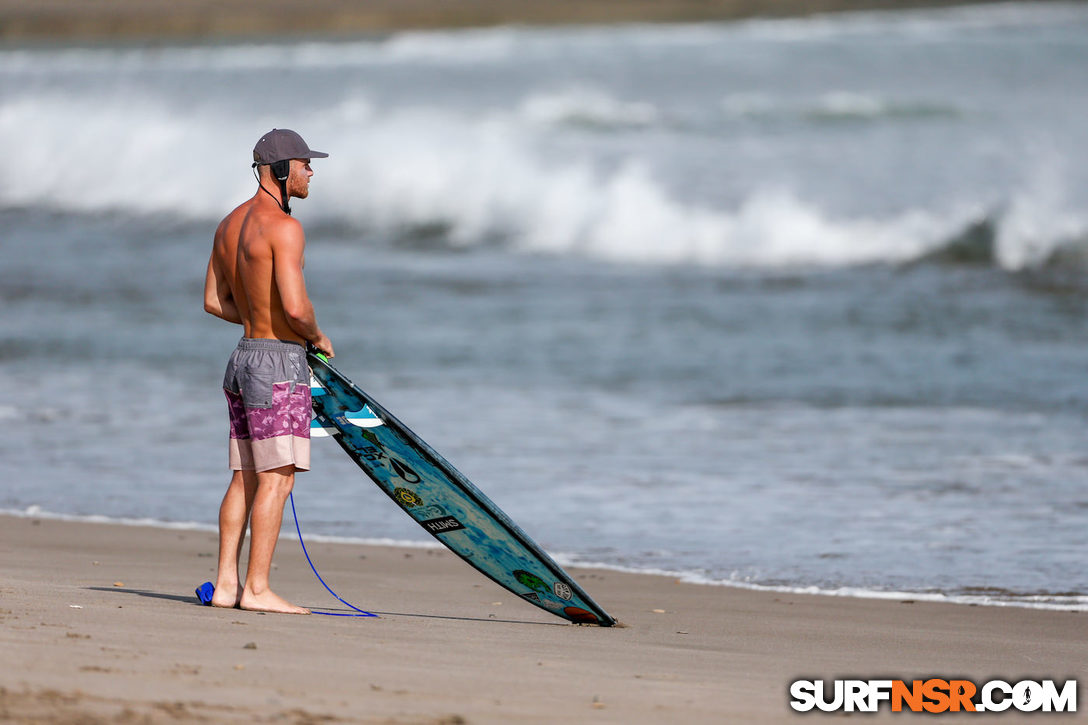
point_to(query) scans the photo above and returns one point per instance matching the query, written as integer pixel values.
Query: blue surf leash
(205, 591)
(361, 612)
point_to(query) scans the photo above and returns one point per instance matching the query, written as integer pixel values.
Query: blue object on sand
(204, 593)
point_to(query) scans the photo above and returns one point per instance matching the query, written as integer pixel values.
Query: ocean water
(793, 303)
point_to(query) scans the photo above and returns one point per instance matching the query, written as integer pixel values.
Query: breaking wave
(435, 177)
(589, 107)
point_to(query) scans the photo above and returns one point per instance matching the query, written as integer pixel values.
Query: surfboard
(442, 500)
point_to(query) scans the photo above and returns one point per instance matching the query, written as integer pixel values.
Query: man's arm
(218, 299)
(288, 245)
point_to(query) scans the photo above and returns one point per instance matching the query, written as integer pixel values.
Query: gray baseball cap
(280, 144)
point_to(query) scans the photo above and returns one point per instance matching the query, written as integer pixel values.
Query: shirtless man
(255, 280)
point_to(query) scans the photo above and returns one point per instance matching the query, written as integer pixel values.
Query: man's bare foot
(222, 596)
(268, 601)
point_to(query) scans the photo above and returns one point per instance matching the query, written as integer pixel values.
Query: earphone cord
(283, 187)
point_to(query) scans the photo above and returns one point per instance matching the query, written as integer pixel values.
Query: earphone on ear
(281, 170)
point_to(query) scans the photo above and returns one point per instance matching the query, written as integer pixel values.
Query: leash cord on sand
(361, 613)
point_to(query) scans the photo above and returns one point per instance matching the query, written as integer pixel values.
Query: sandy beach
(100, 624)
(81, 20)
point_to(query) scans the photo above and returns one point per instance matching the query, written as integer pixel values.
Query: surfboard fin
(365, 418)
(318, 430)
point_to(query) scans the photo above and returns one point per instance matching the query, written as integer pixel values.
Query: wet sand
(89, 20)
(99, 623)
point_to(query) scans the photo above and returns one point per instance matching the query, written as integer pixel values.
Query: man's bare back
(255, 273)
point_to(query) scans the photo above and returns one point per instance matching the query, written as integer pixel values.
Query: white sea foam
(441, 47)
(1064, 603)
(840, 105)
(1039, 217)
(127, 153)
(587, 105)
(37, 512)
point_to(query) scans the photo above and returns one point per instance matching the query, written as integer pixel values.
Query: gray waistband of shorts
(260, 343)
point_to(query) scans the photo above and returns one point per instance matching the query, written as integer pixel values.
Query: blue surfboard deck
(441, 500)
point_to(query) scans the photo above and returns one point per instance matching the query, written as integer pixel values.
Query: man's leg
(233, 517)
(273, 487)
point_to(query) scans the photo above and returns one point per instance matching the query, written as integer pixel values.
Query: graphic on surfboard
(441, 500)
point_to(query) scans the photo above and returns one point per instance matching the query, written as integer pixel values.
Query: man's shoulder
(282, 228)
(238, 212)
(267, 231)
(233, 221)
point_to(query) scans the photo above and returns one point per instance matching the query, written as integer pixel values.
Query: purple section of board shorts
(289, 414)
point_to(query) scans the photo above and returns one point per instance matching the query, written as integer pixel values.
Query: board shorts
(267, 385)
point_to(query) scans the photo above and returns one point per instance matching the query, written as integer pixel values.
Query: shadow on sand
(189, 599)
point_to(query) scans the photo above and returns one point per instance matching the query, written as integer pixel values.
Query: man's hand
(323, 345)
